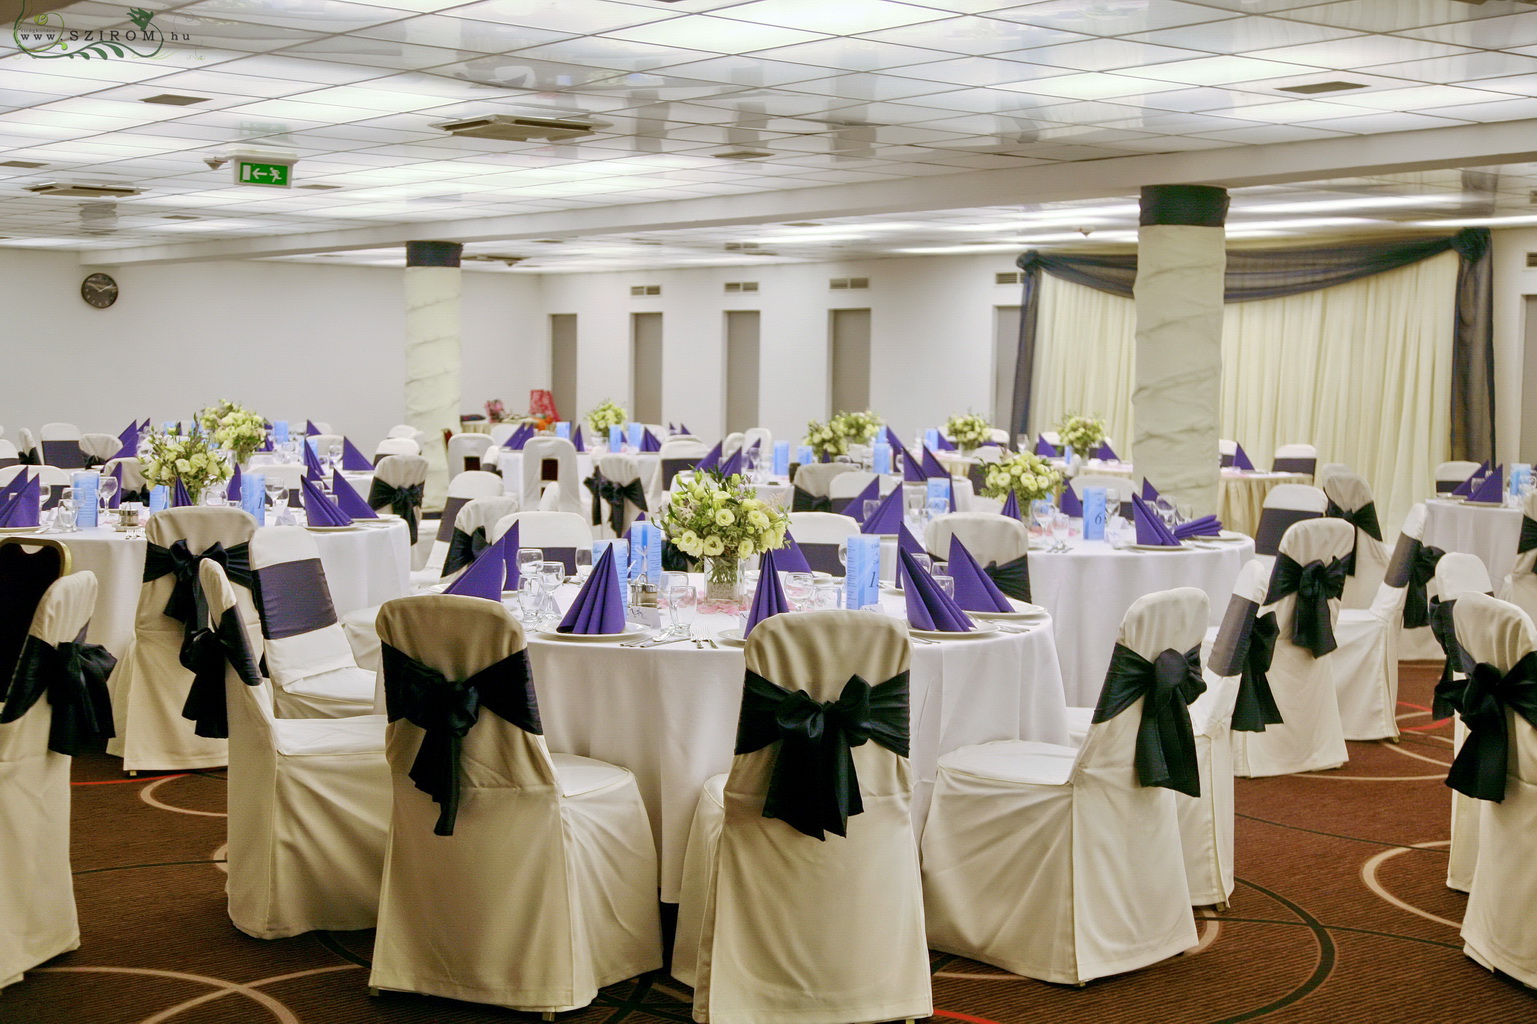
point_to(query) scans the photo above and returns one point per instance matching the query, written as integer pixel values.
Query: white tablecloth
(669, 713)
(364, 567)
(1490, 533)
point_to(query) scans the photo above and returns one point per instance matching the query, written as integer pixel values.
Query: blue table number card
(253, 496)
(881, 457)
(939, 494)
(862, 576)
(86, 487)
(563, 429)
(931, 438)
(615, 438)
(159, 498)
(804, 455)
(637, 431)
(279, 431)
(781, 458)
(1093, 513)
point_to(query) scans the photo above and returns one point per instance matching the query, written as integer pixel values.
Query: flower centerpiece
(234, 428)
(605, 415)
(1028, 475)
(826, 439)
(856, 427)
(969, 431)
(495, 411)
(191, 459)
(722, 520)
(1083, 434)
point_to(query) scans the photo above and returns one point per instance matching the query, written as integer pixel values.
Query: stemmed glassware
(551, 574)
(277, 493)
(104, 492)
(1061, 529)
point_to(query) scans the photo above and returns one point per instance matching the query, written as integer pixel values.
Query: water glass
(334, 456)
(1112, 503)
(925, 562)
(1061, 529)
(829, 594)
(800, 590)
(529, 600)
(1042, 511)
(583, 563)
(947, 584)
(64, 513)
(104, 492)
(527, 559)
(870, 506)
(681, 602)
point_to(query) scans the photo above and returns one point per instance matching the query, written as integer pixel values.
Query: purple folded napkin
(507, 550)
(180, 498)
(649, 443)
(1465, 488)
(310, 430)
(1071, 504)
(231, 489)
(791, 558)
(11, 489)
(888, 515)
(1205, 526)
(769, 598)
(975, 590)
(354, 461)
(928, 607)
(945, 444)
(146, 424)
(897, 447)
(855, 509)
(683, 428)
(906, 542)
(519, 438)
(640, 517)
(483, 577)
(912, 469)
(1241, 459)
(130, 442)
(266, 445)
(732, 465)
(576, 438)
(1150, 527)
(710, 461)
(1045, 448)
(1011, 506)
(1149, 492)
(312, 470)
(1106, 453)
(932, 470)
(320, 510)
(599, 607)
(116, 500)
(348, 500)
(1491, 488)
(24, 502)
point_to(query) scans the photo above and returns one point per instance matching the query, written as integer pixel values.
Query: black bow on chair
(1480, 766)
(464, 548)
(1013, 578)
(30, 457)
(1528, 536)
(1413, 567)
(405, 501)
(178, 560)
(1165, 739)
(92, 461)
(1363, 518)
(594, 485)
(1245, 648)
(74, 676)
(1314, 584)
(804, 501)
(814, 788)
(616, 495)
(446, 709)
(204, 653)
(1447, 698)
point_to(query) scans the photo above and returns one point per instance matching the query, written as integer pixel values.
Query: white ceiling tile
(843, 18)
(1376, 16)
(1103, 55)
(854, 54)
(1261, 135)
(716, 35)
(1110, 19)
(1097, 85)
(1390, 121)
(1505, 110)
(864, 88)
(458, 33)
(1226, 70)
(1489, 33)
(1237, 35)
(294, 69)
(749, 72)
(1422, 97)
(1359, 51)
(382, 55)
(324, 16)
(976, 71)
(973, 35)
(1469, 67)
(1190, 100)
(1294, 111)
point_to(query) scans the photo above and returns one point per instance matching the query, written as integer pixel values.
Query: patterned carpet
(1340, 914)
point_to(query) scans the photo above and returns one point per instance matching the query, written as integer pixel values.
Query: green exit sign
(250, 173)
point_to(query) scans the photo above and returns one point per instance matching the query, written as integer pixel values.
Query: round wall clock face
(99, 290)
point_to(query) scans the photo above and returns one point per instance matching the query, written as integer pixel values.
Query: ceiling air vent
(741, 286)
(742, 154)
(1531, 259)
(839, 284)
(511, 128)
(511, 261)
(1312, 88)
(21, 163)
(645, 289)
(743, 246)
(318, 188)
(172, 99)
(1013, 277)
(53, 188)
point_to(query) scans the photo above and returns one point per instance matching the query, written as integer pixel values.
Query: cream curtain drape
(1361, 370)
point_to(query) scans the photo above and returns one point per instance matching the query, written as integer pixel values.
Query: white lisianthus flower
(724, 517)
(183, 466)
(746, 549)
(713, 546)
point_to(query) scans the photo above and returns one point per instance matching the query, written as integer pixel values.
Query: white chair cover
(989, 537)
(1286, 504)
(404, 430)
(774, 925)
(1295, 458)
(731, 444)
(131, 474)
(37, 894)
(396, 446)
(473, 527)
(821, 527)
(309, 801)
(546, 890)
(567, 483)
(1310, 737)
(1027, 861)
(499, 432)
(1350, 493)
(398, 471)
(1498, 928)
(98, 448)
(556, 533)
(322, 442)
(763, 437)
(1520, 584)
(462, 447)
(462, 489)
(1121, 485)
(1457, 574)
(1227, 449)
(149, 686)
(9, 456)
(61, 445)
(27, 444)
(622, 470)
(306, 653)
(1450, 474)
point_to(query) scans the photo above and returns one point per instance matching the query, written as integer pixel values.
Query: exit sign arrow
(252, 173)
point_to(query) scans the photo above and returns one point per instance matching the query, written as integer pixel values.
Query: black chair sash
(1245, 648)
(1528, 536)
(617, 495)
(1273, 524)
(823, 558)
(30, 457)
(672, 467)
(1315, 584)
(1481, 765)
(205, 653)
(1412, 567)
(451, 507)
(64, 454)
(1165, 754)
(463, 549)
(804, 501)
(1294, 465)
(1447, 698)
(1013, 578)
(293, 598)
(26, 576)
(178, 560)
(74, 676)
(594, 485)
(446, 709)
(92, 461)
(814, 788)
(405, 501)
(1363, 518)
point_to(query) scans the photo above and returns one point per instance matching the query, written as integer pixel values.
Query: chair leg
(547, 1015)
(1222, 907)
(373, 992)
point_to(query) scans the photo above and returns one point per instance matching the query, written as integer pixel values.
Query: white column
(1181, 260)
(432, 353)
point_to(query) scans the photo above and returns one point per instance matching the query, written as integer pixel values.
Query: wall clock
(99, 290)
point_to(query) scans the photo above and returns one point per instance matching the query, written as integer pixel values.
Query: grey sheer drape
(1254, 274)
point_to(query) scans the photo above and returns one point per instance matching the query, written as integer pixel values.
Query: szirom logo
(47, 36)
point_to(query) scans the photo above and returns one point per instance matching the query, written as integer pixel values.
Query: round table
(1492, 533)
(669, 713)
(1088, 590)
(1241, 496)
(365, 566)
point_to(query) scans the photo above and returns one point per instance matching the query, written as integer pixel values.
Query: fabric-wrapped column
(1180, 265)
(432, 353)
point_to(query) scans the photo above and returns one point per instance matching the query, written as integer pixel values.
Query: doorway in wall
(742, 327)
(848, 346)
(563, 364)
(1005, 357)
(646, 367)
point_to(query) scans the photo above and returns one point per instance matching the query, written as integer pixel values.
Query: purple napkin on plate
(1205, 526)
(928, 607)
(906, 542)
(1241, 458)
(231, 489)
(1465, 488)
(1011, 506)
(1491, 488)
(710, 461)
(348, 500)
(354, 461)
(733, 465)
(932, 470)
(769, 598)
(683, 428)
(912, 469)
(507, 551)
(649, 443)
(945, 444)
(576, 438)
(1071, 504)
(1106, 453)
(320, 510)
(855, 509)
(179, 496)
(10, 490)
(1149, 492)
(599, 607)
(975, 590)
(130, 442)
(24, 502)
(888, 515)
(1045, 448)
(791, 558)
(116, 500)
(310, 430)
(897, 447)
(312, 470)
(481, 578)
(1150, 527)
(518, 438)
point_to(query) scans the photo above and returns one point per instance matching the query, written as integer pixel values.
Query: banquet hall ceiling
(743, 131)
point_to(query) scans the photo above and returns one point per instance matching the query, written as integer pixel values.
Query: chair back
(1295, 458)
(843, 488)
(1227, 450)
(760, 436)
(821, 527)
(1459, 573)
(98, 448)
(988, 536)
(472, 530)
(59, 432)
(557, 534)
(61, 446)
(28, 567)
(26, 444)
(815, 479)
(396, 446)
(301, 636)
(1451, 474)
(464, 487)
(131, 472)
(622, 470)
(683, 446)
(1224, 662)
(248, 708)
(1121, 485)
(402, 430)
(1498, 633)
(9, 456)
(500, 432)
(1349, 493)
(322, 443)
(62, 613)
(551, 460)
(467, 451)
(1286, 504)
(201, 527)
(731, 443)
(1312, 540)
(401, 470)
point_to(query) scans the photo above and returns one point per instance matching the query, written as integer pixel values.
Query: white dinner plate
(1484, 504)
(982, 629)
(732, 637)
(1226, 536)
(331, 529)
(1156, 547)
(632, 631)
(21, 529)
(1029, 613)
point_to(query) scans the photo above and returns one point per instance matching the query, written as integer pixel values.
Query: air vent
(509, 128)
(1531, 259)
(179, 216)
(511, 261)
(318, 188)
(22, 163)
(741, 286)
(84, 191)
(804, 224)
(1013, 277)
(742, 154)
(171, 99)
(743, 246)
(645, 289)
(1312, 88)
(839, 284)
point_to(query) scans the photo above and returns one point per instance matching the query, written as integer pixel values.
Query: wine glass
(947, 584)
(583, 560)
(870, 507)
(1112, 503)
(334, 456)
(799, 589)
(527, 559)
(104, 492)
(829, 594)
(551, 574)
(1165, 509)
(682, 599)
(1061, 529)
(1042, 511)
(64, 512)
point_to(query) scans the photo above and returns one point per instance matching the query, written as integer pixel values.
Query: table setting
(1482, 517)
